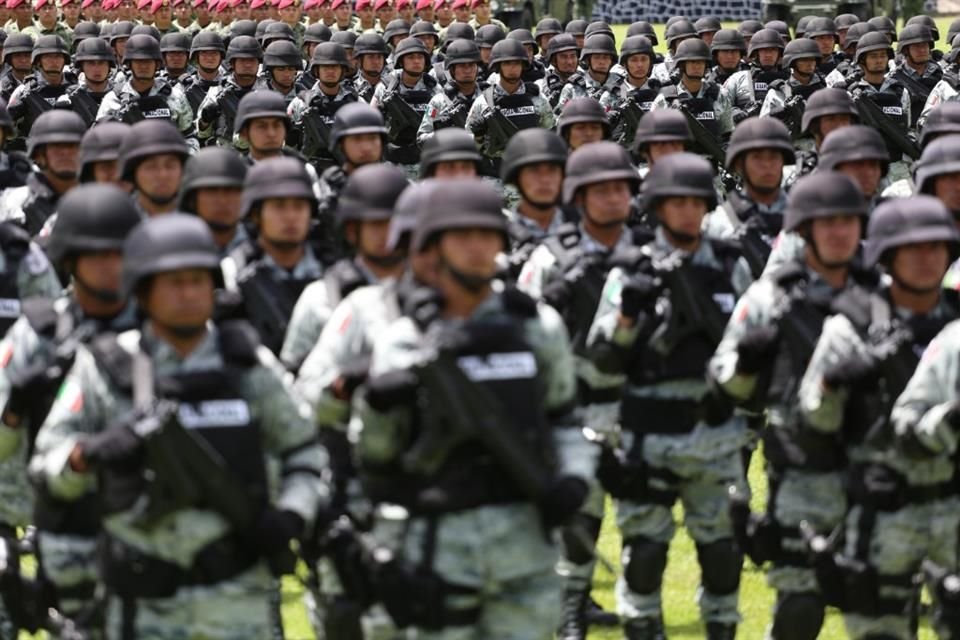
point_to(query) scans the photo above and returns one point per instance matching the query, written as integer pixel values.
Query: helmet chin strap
(107, 296)
(604, 225)
(680, 237)
(470, 282)
(384, 262)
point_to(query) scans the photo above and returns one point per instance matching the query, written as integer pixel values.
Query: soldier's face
(694, 68)
(866, 173)
(455, 169)
(606, 202)
(284, 77)
(842, 38)
(728, 60)
(284, 221)
(105, 171)
(372, 238)
(638, 66)
(429, 41)
(565, 61)
(465, 72)
(825, 43)
(47, 14)
(947, 188)
(541, 183)
(482, 11)
(163, 16)
(385, 14)
(95, 71)
(100, 270)
(175, 61)
(805, 67)
(71, 12)
(768, 56)
(919, 53)
(682, 214)
(372, 63)
(462, 14)
(832, 122)
(342, 14)
(582, 133)
(245, 68)
(600, 63)
(20, 61)
(158, 177)
(444, 13)
(427, 14)
(763, 169)
(875, 61)
(181, 299)
(51, 63)
(120, 47)
(23, 13)
(61, 159)
(209, 61)
(511, 70)
(921, 266)
(291, 14)
(329, 74)
(266, 135)
(366, 15)
(219, 206)
(184, 14)
(242, 11)
(657, 150)
(485, 53)
(836, 239)
(414, 63)
(407, 13)
(472, 251)
(143, 70)
(363, 148)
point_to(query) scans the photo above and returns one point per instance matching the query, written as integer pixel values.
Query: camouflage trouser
(899, 542)
(70, 563)
(237, 608)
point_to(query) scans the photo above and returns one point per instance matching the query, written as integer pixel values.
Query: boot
(573, 623)
(597, 616)
(721, 631)
(644, 629)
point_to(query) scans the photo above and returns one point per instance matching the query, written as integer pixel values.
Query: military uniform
(315, 110)
(746, 90)
(581, 84)
(524, 108)
(446, 102)
(710, 106)
(60, 29)
(227, 95)
(164, 100)
(402, 148)
(30, 99)
(895, 102)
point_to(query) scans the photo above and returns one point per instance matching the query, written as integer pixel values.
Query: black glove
(445, 118)
(114, 447)
(856, 372)
(210, 113)
(275, 529)
(386, 99)
(639, 294)
(393, 389)
(563, 500)
(755, 349)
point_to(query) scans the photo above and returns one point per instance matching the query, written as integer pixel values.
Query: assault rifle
(872, 116)
(401, 116)
(703, 138)
(267, 307)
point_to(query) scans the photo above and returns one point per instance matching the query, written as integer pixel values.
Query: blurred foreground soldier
(916, 71)
(561, 59)
(827, 110)
(941, 121)
(39, 91)
(510, 355)
(40, 348)
(597, 57)
(659, 134)
(15, 166)
(680, 439)
(632, 98)
(54, 148)
(271, 269)
(728, 50)
(451, 153)
(858, 151)
(197, 559)
(211, 188)
(583, 121)
(937, 174)
(449, 107)
(151, 159)
(216, 113)
(96, 61)
(903, 507)
(100, 151)
(746, 90)
(787, 99)
(760, 363)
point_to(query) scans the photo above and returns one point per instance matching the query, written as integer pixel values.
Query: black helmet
(759, 133)
(409, 46)
(330, 53)
(458, 31)
(50, 44)
(146, 30)
(148, 138)
(802, 26)
(692, 49)
(282, 53)
(845, 21)
(396, 27)
(924, 21)
(780, 27)
(680, 30)
(765, 39)
(106, 30)
(598, 26)
(915, 34)
(902, 221)
(261, 29)
(600, 44)
(100, 144)
(211, 167)
(277, 31)
(91, 217)
(749, 28)
(94, 49)
(938, 158)
(368, 43)
(820, 27)
(207, 41)
(448, 145)
(942, 119)
(175, 42)
(531, 146)
(244, 28)
(856, 142)
(583, 109)
(506, 51)
(276, 178)
(577, 27)
(370, 193)
(953, 30)
(707, 24)
(317, 32)
(873, 41)
(262, 103)
(121, 30)
(728, 40)
(57, 126)
(823, 194)
(84, 30)
(461, 203)
(489, 35)
(424, 28)
(800, 49)
(17, 43)
(635, 45)
(346, 39)
(856, 32)
(244, 47)
(662, 125)
(355, 118)
(142, 47)
(643, 28)
(404, 219)
(884, 24)
(679, 175)
(827, 102)
(524, 37)
(548, 27)
(461, 52)
(598, 162)
(561, 42)
(167, 243)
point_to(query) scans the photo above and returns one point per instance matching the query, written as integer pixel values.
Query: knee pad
(648, 559)
(720, 565)
(573, 547)
(798, 616)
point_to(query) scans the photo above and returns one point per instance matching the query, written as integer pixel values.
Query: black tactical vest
(196, 90)
(402, 135)
(38, 100)
(133, 110)
(554, 85)
(762, 79)
(85, 103)
(15, 244)
(890, 104)
(317, 121)
(704, 109)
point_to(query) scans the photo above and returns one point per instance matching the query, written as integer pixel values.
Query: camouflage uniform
(476, 25)
(722, 107)
(223, 128)
(425, 85)
(180, 112)
(481, 111)
(30, 205)
(899, 166)
(581, 84)
(60, 29)
(320, 106)
(944, 91)
(745, 90)
(444, 101)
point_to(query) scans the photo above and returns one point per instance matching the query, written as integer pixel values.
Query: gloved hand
(855, 372)
(755, 349)
(639, 294)
(274, 530)
(444, 119)
(562, 500)
(210, 113)
(393, 389)
(115, 447)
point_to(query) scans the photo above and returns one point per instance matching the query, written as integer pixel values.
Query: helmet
(167, 243)
(424, 28)
(282, 53)
(802, 26)
(821, 27)
(368, 43)
(261, 29)
(662, 125)
(780, 27)
(397, 27)
(635, 45)
(211, 167)
(856, 32)
(276, 178)
(707, 24)
(885, 25)
(50, 44)
(531, 146)
(207, 41)
(643, 28)
(924, 21)
(355, 118)
(821, 195)
(873, 41)
(827, 102)
(317, 32)
(845, 21)
(938, 158)
(583, 109)
(942, 119)
(244, 28)
(598, 162)
(277, 31)
(330, 53)
(598, 44)
(903, 221)
(404, 219)
(692, 49)
(800, 49)
(141, 47)
(524, 37)
(680, 30)
(456, 204)
(598, 26)
(953, 30)
(345, 39)
(679, 175)
(146, 30)
(121, 30)
(105, 31)
(462, 52)
(749, 28)
(577, 27)
(244, 47)
(506, 51)
(914, 34)
(489, 35)
(148, 138)
(57, 126)
(759, 133)
(765, 39)
(561, 42)
(175, 42)
(448, 145)
(263, 103)
(458, 31)
(728, 40)
(856, 142)
(17, 43)
(100, 144)
(84, 30)
(370, 193)
(409, 46)
(94, 49)
(548, 27)
(92, 217)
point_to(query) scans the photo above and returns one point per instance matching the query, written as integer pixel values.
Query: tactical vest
(918, 99)
(518, 108)
(554, 85)
(317, 120)
(828, 64)
(890, 104)
(134, 109)
(757, 230)
(38, 100)
(38, 206)
(534, 72)
(635, 103)
(15, 244)
(18, 168)
(806, 90)
(342, 279)
(762, 79)
(195, 89)
(85, 103)
(229, 100)
(703, 109)
(402, 147)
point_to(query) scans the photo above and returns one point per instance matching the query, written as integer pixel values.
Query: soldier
(450, 154)
(216, 113)
(96, 62)
(561, 61)
(582, 122)
(537, 70)
(42, 345)
(283, 63)
(151, 159)
(806, 480)
(370, 53)
(449, 107)
(162, 12)
(859, 152)
(827, 110)
(290, 14)
(15, 166)
(220, 384)
(681, 29)
(746, 90)
(17, 53)
(313, 113)
(119, 35)
(916, 71)
(344, 20)
(632, 98)
(486, 38)
(206, 55)
(598, 55)
(841, 76)
(175, 49)
(211, 188)
(22, 16)
(100, 152)
(937, 175)
(427, 33)
(848, 393)
(660, 133)
(48, 23)
(39, 92)
(786, 99)
(395, 31)
(728, 50)
(508, 106)
(707, 28)
(314, 34)
(366, 18)
(681, 436)
(54, 148)
(545, 31)
(823, 31)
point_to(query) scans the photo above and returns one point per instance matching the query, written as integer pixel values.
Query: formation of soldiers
(402, 295)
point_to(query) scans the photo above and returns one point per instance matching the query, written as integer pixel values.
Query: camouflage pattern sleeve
(547, 118)
(822, 407)
(787, 247)
(17, 350)
(478, 115)
(606, 327)
(739, 89)
(426, 130)
(183, 115)
(660, 102)
(295, 110)
(108, 106)
(724, 110)
(836, 79)
(536, 272)
(16, 99)
(941, 93)
(36, 277)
